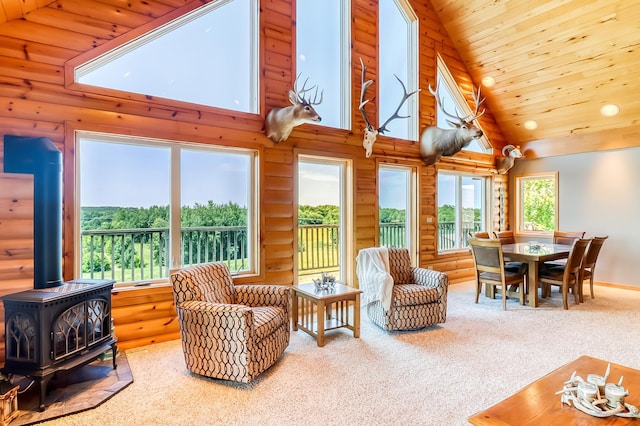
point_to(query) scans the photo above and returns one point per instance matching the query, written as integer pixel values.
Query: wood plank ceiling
(556, 62)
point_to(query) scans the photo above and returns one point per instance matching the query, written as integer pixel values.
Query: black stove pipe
(40, 157)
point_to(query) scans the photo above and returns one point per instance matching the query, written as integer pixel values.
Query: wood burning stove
(58, 325)
(57, 328)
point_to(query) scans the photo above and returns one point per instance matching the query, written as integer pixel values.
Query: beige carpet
(437, 376)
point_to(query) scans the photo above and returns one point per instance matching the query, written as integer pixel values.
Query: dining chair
(506, 237)
(567, 238)
(482, 234)
(490, 270)
(589, 263)
(566, 276)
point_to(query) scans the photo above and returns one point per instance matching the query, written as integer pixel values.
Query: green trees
(318, 215)
(539, 204)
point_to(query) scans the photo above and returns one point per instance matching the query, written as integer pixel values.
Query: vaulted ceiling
(555, 62)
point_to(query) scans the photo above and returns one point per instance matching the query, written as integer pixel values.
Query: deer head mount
(509, 155)
(281, 121)
(436, 142)
(370, 132)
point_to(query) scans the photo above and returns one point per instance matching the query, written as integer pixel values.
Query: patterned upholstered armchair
(419, 296)
(229, 332)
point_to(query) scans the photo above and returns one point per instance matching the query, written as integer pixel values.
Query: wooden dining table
(525, 252)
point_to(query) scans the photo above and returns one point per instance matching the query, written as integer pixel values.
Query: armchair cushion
(267, 319)
(414, 294)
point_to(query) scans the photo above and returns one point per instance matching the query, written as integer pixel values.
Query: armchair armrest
(431, 278)
(263, 295)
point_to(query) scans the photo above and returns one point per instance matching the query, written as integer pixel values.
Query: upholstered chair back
(207, 283)
(400, 266)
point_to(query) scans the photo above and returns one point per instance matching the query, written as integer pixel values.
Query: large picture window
(325, 202)
(166, 62)
(398, 35)
(397, 201)
(149, 206)
(323, 56)
(462, 209)
(537, 203)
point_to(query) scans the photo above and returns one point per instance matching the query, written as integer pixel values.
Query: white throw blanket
(372, 267)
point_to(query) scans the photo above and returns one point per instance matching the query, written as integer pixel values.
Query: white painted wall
(599, 192)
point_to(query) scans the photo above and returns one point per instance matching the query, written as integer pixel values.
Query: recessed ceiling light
(609, 110)
(488, 81)
(530, 124)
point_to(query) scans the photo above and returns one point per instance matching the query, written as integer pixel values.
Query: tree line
(229, 214)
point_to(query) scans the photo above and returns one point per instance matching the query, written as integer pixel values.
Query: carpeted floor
(436, 376)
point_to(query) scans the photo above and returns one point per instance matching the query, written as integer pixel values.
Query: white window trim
(519, 213)
(413, 71)
(486, 208)
(347, 259)
(174, 261)
(345, 64)
(254, 26)
(411, 231)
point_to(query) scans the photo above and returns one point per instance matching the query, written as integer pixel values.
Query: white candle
(615, 394)
(587, 391)
(597, 380)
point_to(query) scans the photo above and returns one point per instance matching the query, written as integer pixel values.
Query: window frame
(443, 74)
(411, 198)
(110, 50)
(485, 192)
(346, 206)
(412, 37)
(518, 183)
(174, 262)
(345, 66)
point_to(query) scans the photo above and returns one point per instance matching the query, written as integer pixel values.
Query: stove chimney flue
(40, 157)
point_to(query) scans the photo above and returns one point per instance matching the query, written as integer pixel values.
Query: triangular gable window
(207, 57)
(454, 100)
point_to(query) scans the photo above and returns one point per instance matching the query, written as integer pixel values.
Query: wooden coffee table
(317, 311)
(538, 404)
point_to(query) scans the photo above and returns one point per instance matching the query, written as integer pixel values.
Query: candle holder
(326, 282)
(596, 397)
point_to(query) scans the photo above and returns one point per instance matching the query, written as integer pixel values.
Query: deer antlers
(296, 97)
(370, 132)
(466, 119)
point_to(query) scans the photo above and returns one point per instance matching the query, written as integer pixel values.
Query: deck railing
(142, 254)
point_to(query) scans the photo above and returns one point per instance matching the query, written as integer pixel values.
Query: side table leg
(320, 313)
(294, 310)
(356, 316)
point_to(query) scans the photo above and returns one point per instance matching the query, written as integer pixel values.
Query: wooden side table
(317, 311)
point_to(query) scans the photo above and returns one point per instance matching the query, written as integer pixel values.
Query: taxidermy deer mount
(281, 121)
(509, 155)
(371, 133)
(436, 142)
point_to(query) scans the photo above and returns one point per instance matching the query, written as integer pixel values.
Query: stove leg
(42, 383)
(114, 352)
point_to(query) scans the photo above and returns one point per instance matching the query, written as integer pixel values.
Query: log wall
(37, 98)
